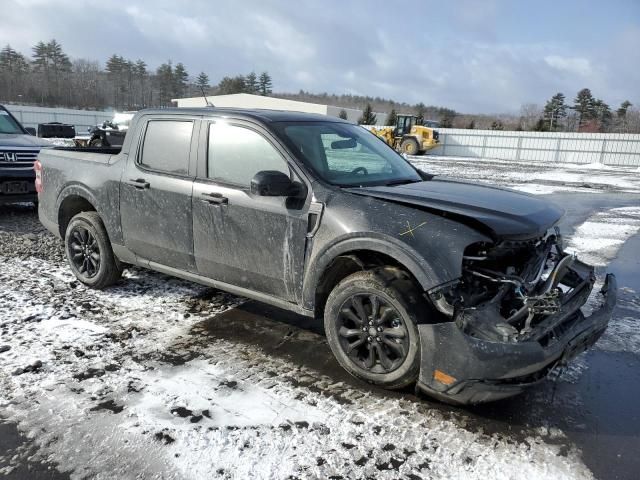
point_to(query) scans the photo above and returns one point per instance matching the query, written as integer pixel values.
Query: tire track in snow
(314, 428)
(598, 240)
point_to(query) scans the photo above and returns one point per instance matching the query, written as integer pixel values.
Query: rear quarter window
(166, 146)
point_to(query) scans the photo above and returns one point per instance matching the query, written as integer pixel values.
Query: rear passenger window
(166, 146)
(237, 153)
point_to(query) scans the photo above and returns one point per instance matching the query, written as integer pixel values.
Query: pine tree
(265, 85)
(554, 110)
(180, 79)
(584, 106)
(53, 65)
(471, 125)
(230, 85)
(59, 60)
(497, 125)
(368, 117)
(164, 79)
(13, 69)
(12, 62)
(141, 74)
(41, 67)
(251, 83)
(603, 114)
(115, 68)
(343, 114)
(622, 111)
(621, 116)
(40, 56)
(392, 118)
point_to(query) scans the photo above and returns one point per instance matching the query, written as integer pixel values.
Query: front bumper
(22, 175)
(460, 369)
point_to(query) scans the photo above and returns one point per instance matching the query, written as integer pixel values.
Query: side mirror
(30, 131)
(272, 183)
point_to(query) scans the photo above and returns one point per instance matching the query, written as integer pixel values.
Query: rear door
(243, 239)
(155, 193)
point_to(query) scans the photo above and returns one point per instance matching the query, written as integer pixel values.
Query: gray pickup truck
(18, 152)
(461, 289)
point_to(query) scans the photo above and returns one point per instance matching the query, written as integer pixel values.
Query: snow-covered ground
(129, 381)
(161, 378)
(534, 177)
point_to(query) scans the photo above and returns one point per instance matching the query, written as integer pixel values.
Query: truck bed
(96, 155)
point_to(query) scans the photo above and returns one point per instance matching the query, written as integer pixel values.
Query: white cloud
(168, 26)
(573, 65)
(282, 39)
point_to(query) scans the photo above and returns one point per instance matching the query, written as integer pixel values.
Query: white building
(247, 100)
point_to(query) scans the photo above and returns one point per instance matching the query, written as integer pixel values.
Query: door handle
(214, 198)
(139, 183)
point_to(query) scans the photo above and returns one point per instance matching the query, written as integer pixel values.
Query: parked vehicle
(18, 152)
(56, 130)
(459, 287)
(111, 133)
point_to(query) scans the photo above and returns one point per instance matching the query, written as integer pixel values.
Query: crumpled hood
(22, 140)
(506, 212)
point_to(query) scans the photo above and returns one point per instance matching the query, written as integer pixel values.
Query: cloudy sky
(474, 56)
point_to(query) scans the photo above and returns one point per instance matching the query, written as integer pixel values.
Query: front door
(239, 238)
(155, 195)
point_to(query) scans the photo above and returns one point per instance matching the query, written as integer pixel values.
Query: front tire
(89, 251)
(409, 146)
(370, 321)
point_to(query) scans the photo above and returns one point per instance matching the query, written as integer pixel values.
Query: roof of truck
(262, 115)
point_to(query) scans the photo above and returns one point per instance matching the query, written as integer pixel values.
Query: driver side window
(237, 153)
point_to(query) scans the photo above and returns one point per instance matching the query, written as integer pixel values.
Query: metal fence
(82, 119)
(554, 147)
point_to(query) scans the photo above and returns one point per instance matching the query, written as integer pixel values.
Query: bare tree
(530, 113)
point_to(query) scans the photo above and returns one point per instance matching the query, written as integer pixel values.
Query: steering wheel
(360, 170)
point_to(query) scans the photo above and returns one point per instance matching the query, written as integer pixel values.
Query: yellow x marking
(412, 229)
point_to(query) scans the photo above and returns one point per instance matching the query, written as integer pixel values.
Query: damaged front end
(513, 315)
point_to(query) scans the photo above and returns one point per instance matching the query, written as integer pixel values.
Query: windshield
(346, 155)
(8, 124)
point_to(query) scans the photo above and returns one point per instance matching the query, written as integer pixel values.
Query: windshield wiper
(404, 181)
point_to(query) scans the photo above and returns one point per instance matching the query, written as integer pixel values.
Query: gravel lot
(161, 378)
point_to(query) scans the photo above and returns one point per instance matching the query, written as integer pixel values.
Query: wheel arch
(355, 254)
(72, 200)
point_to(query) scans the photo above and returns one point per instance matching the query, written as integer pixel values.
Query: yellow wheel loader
(409, 135)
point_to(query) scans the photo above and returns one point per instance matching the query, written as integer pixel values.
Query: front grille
(17, 158)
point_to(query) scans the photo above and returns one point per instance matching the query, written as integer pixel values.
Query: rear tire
(89, 251)
(370, 321)
(410, 146)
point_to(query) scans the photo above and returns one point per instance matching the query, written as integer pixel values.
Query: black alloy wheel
(89, 251)
(84, 252)
(370, 319)
(372, 333)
